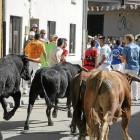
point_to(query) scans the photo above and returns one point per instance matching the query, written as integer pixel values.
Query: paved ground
(39, 129)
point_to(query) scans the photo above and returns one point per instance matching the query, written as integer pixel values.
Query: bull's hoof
(73, 129)
(26, 127)
(54, 114)
(8, 116)
(82, 137)
(69, 114)
(50, 123)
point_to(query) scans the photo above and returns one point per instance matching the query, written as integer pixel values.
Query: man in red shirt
(91, 56)
(65, 52)
(54, 38)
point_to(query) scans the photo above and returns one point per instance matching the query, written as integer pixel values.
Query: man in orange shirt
(34, 50)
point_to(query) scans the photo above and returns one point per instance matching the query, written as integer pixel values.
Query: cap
(34, 25)
(55, 35)
(89, 36)
(32, 33)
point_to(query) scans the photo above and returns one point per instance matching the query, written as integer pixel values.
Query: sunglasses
(43, 33)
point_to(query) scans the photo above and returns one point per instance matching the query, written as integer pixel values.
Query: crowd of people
(121, 56)
(34, 46)
(100, 53)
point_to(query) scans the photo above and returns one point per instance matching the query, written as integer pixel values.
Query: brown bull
(108, 94)
(77, 91)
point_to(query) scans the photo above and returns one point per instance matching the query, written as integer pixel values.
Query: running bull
(12, 69)
(108, 94)
(77, 92)
(52, 83)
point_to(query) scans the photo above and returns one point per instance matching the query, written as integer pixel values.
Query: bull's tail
(80, 78)
(131, 78)
(49, 101)
(46, 96)
(100, 78)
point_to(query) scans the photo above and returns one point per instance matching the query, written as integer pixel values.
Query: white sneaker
(25, 91)
(135, 99)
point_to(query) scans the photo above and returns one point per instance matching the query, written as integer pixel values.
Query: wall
(110, 22)
(62, 12)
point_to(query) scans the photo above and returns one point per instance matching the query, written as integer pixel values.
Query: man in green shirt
(30, 38)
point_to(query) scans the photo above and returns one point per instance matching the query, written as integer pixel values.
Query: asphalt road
(39, 129)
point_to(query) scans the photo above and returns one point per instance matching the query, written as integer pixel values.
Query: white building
(61, 17)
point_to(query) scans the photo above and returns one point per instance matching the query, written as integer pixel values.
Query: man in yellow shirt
(34, 50)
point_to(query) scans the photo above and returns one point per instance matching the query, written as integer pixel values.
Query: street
(39, 129)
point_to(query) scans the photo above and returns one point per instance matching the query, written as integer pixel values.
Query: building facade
(63, 17)
(114, 19)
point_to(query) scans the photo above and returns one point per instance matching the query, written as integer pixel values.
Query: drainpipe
(84, 28)
(30, 8)
(4, 27)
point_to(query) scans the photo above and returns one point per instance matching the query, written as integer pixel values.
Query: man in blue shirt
(105, 56)
(131, 54)
(115, 52)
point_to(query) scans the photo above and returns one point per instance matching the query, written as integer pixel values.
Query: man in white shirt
(105, 56)
(56, 52)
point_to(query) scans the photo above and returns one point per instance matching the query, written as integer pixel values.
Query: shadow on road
(56, 135)
(1, 136)
(116, 132)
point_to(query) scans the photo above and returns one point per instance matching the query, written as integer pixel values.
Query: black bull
(12, 69)
(52, 83)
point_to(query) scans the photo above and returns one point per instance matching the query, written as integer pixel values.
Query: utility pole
(84, 28)
(30, 8)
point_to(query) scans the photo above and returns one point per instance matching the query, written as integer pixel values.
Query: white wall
(62, 12)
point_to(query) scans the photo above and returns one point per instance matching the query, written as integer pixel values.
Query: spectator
(114, 43)
(54, 38)
(30, 38)
(105, 56)
(116, 51)
(131, 54)
(97, 43)
(109, 43)
(89, 41)
(34, 50)
(34, 28)
(91, 56)
(138, 41)
(65, 52)
(43, 38)
(56, 52)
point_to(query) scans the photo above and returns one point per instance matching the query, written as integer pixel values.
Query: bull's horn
(32, 59)
(84, 69)
(135, 79)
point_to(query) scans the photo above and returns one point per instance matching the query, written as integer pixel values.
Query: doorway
(95, 24)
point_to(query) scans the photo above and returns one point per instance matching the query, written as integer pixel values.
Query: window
(14, 38)
(51, 29)
(72, 38)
